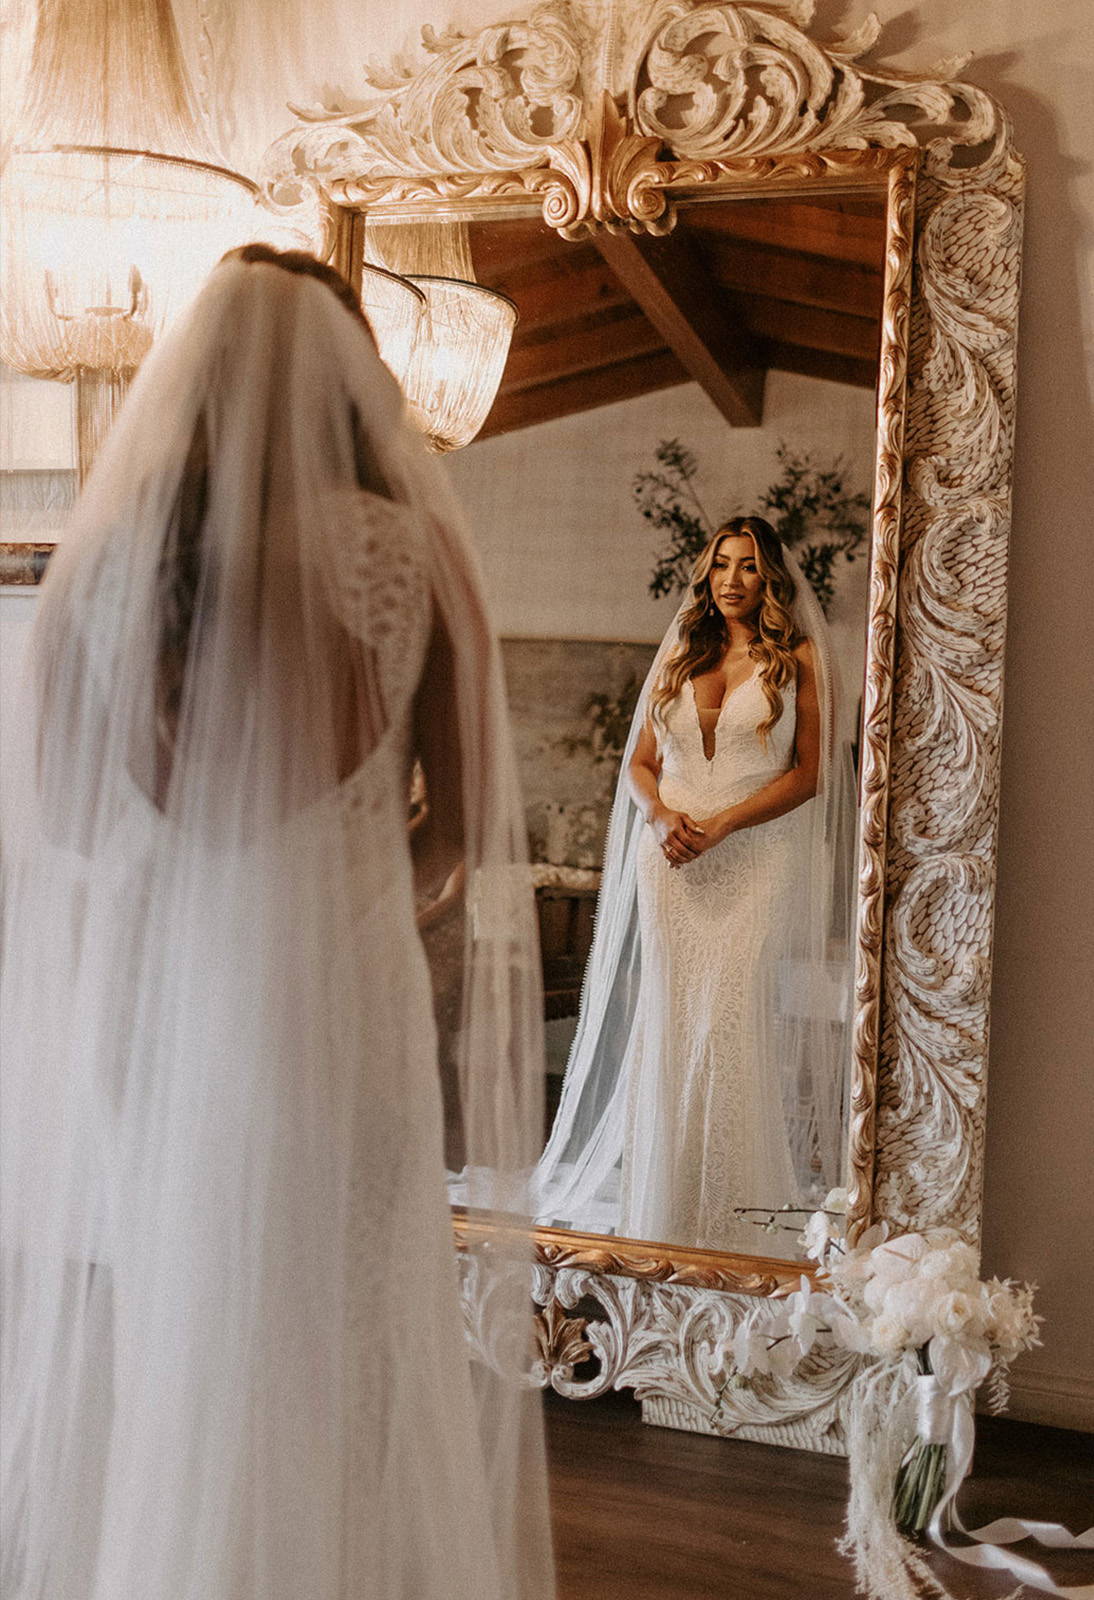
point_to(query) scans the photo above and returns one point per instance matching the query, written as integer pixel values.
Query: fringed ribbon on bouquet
(888, 1407)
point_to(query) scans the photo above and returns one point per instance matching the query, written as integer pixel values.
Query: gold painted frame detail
(609, 117)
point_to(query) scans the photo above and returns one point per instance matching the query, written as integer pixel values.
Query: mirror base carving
(670, 1344)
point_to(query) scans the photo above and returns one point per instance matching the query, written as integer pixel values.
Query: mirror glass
(697, 964)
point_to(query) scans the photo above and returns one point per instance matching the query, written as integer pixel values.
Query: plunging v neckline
(726, 698)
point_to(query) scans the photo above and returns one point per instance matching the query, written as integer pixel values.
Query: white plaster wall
(564, 549)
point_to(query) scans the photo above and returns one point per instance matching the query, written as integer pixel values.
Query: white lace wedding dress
(235, 1365)
(705, 1126)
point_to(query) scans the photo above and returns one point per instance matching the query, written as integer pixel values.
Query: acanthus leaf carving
(519, 108)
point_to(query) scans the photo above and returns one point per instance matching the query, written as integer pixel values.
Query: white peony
(898, 1258)
(913, 1304)
(889, 1336)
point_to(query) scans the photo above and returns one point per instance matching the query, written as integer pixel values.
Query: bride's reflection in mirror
(678, 670)
(707, 1071)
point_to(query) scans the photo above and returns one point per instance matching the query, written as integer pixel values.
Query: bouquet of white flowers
(921, 1293)
(930, 1331)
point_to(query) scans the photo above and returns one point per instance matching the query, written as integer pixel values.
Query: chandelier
(115, 205)
(455, 365)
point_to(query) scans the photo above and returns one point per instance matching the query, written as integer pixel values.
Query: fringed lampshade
(396, 311)
(115, 205)
(463, 345)
(102, 248)
(459, 360)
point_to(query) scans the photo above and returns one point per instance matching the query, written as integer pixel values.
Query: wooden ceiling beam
(817, 329)
(853, 370)
(807, 230)
(577, 347)
(786, 275)
(584, 391)
(558, 287)
(669, 282)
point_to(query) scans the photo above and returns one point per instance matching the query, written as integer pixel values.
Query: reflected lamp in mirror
(396, 310)
(452, 379)
(459, 360)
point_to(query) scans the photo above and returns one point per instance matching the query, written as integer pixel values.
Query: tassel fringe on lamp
(115, 206)
(456, 366)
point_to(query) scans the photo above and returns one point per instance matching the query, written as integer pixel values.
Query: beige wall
(1038, 59)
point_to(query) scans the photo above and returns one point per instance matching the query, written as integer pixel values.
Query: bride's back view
(234, 1364)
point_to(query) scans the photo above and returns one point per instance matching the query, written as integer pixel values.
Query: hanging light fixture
(115, 206)
(452, 379)
(396, 310)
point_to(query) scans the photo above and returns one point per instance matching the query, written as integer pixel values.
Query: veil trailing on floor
(800, 1031)
(234, 1363)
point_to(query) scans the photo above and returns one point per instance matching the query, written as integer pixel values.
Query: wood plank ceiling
(740, 287)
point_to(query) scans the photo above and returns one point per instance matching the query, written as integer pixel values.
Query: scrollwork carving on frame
(599, 111)
(671, 1345)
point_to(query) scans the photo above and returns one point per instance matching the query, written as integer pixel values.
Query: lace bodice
(741, 763)
(379, 587)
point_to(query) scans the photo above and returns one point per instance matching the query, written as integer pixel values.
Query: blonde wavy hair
(703, 637)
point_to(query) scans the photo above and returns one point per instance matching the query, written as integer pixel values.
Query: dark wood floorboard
(646, 1513)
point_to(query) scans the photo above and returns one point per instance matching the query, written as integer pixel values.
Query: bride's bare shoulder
(804, 655)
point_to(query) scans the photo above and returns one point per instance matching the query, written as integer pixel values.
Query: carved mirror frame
(608, 116)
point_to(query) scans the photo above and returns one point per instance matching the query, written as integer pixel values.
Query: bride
(234, 1365)
(707, 1070)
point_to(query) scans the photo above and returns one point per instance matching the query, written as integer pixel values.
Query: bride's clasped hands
(682, 839)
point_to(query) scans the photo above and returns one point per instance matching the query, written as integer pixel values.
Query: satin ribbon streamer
(946, 1418)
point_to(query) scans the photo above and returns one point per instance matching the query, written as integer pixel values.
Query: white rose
(957, 1313)
(874, 1294)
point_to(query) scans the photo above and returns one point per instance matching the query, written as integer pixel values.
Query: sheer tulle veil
(802, 1039)
(233, 1359)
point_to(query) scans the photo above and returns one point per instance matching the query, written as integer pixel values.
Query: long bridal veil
(800, 1022)
(234, 1365)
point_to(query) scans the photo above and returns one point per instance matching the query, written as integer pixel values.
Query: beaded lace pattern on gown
(378, 588)
(705, 1127)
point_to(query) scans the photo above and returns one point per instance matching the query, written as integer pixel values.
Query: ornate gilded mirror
(711, 223)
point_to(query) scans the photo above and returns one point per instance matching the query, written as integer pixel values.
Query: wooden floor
(645, 1513)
